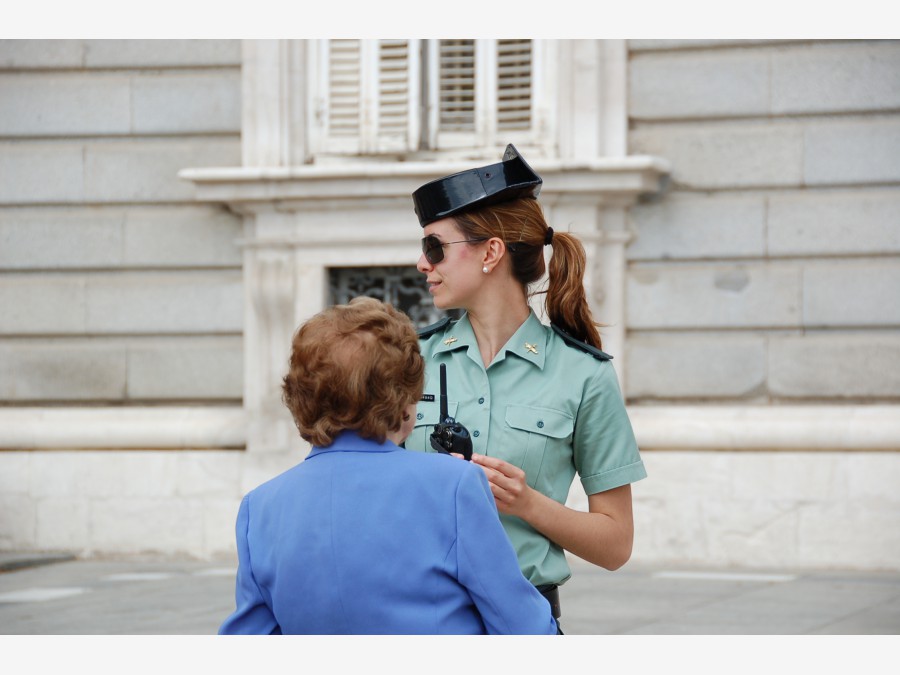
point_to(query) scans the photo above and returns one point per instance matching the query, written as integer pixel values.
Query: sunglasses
(433, 248)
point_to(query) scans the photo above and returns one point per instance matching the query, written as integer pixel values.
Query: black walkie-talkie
(449, 436)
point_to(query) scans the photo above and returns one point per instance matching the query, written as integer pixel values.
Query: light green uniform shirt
(543, 405)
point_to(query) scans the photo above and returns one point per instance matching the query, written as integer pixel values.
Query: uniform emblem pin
(449, 341)
(531, 348)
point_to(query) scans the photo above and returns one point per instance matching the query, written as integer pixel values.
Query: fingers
(494, 476)
(507, 482)
(499, 466)
(492, 462)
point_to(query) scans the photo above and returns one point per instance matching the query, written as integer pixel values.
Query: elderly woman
(363, 536)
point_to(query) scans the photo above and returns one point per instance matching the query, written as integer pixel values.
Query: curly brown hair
(521, 225)
(353, 367)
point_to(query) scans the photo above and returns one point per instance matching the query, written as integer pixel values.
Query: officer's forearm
(603, 536)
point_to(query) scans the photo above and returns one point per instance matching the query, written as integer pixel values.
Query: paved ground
(64, 596)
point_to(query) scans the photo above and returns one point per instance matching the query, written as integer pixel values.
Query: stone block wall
(770, 272)
(179, 502)
(765, 280)
(116, 285)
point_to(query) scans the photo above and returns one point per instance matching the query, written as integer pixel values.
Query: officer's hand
(507, 482)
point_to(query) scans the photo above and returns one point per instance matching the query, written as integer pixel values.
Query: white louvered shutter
(371, 97)
(366, 96)
(481, 93)
(398, 96)
(514, 94)
(456, 85)
(345, 96)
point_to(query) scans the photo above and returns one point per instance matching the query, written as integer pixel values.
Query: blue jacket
(368, 538)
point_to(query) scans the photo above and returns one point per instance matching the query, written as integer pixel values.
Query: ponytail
(566, 301)
(521, 225)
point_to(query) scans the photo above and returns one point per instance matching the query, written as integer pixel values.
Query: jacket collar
(351, 441)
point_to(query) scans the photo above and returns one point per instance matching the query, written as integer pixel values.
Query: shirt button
(476, 433)
(419, 416)
(481, 400)
(540, 424)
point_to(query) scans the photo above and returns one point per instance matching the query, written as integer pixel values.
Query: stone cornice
(617, 177)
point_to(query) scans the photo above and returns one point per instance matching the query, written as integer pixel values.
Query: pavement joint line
(725, 576)
(138, 576)
(40, 594)
(216, 572)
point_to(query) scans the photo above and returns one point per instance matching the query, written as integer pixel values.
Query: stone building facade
(171, 210)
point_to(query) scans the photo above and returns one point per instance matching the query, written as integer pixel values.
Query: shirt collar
(528, 342)
(457, 335)
(351, 441)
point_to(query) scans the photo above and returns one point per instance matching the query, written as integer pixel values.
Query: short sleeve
(605, 449)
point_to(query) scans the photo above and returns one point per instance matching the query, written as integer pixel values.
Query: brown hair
(354, 366)
(521, 225)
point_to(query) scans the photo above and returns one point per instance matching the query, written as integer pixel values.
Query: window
(377, 97)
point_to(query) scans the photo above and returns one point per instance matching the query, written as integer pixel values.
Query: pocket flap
(543, 421)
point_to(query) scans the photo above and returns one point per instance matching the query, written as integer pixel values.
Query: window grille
(402, 287)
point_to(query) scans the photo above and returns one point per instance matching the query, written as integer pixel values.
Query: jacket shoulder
(428, 331)
(578, 344)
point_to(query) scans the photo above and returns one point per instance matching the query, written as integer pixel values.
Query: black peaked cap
(510, 179)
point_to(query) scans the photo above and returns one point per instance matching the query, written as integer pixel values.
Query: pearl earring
(485, 270)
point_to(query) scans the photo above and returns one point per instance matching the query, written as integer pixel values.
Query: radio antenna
(444, 412)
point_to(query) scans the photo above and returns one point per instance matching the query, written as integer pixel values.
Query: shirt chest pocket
(530, 433)
(428, 414)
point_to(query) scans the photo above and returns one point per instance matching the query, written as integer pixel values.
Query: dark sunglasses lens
(431, 247)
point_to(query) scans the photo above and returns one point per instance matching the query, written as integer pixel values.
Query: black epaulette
(428, 331)
(578, 344)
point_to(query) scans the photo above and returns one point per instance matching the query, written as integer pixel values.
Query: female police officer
(540, 402)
